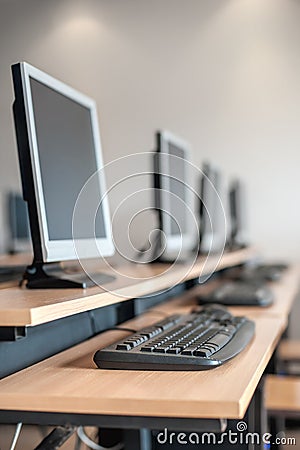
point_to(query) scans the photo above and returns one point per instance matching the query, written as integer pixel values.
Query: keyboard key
(135, 340)
(150, 332)
(169, 322)
(125, 347)
(219, 340)
(189, 351)
(161, 349)
(203, 351)
(148, 348)
(174, 350)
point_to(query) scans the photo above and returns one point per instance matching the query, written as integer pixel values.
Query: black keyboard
(196, 341)
(240, 293)
(263, 272)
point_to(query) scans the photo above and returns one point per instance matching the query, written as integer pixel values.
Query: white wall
(224, 74)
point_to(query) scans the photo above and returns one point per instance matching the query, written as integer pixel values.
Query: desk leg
(257, 416)
(137, 439)
(276, 424)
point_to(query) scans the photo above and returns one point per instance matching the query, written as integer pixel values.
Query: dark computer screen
(67, 160)
(238, 212)
(213, 223)
(178, 201)
(174, 196)
(18, 217)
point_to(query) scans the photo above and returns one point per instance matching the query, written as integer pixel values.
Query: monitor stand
(43, 276)
(157, 256)
(154, 252)
(235, 246)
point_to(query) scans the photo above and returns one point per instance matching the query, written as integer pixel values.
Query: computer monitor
(226, 209)
(238, 213)
(173, 197)
(18, 224)
(212, 211)
(59, 150)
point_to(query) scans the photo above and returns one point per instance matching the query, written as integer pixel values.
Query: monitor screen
(213, 226)
(177, 167)
(207, 200)
(174, 199)
(18, 217)
(63, 156)
(18, 223)
(66, 152)
(238, 212)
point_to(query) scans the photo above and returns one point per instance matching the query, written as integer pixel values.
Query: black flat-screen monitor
(212, 211)
(59, 153)
(173, 196)
(18, 224)
(238, 213)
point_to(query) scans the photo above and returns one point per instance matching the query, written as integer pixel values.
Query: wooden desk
(23, 307)
(68, 388)
(285, 291)
(70, 383)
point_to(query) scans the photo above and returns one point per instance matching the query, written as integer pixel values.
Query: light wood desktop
(283, 395)
(289, 351)
(23, 307)
(69, 382)
(285, 292)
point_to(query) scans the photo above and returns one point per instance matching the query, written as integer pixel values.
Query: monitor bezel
(64, 249)
(238, 212)
(212, 180)
(174, 243)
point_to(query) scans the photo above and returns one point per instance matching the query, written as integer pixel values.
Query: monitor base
(41, 276)
(157, 254)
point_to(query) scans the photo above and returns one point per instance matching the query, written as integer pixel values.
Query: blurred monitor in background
(18, 224)
(238, 213)
(173, 197)
(212, 211)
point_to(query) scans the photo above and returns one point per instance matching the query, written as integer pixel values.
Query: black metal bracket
(123, 422)
(56, 438)
(12, 333)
